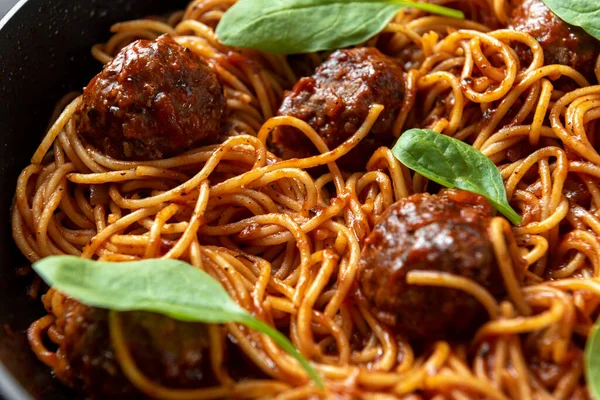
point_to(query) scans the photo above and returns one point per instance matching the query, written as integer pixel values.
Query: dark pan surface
(44, 53)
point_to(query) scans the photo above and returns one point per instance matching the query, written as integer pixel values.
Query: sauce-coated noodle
(286, 244)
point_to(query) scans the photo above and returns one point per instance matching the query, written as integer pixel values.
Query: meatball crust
(445, 233)
(171, 353)
(153, 100)
(335, 101)
(562, 43)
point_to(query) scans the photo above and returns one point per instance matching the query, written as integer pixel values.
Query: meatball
(335, 101)
(446, 233)
(174, 354)
(562, 43)
(154, 100)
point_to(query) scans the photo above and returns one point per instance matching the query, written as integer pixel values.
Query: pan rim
(10, 388)
(11, 13)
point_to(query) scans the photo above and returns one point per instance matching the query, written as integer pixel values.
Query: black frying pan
(44, 53)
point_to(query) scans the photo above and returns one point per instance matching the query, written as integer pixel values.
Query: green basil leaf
(170, 287)
(582, 13)
(302, 26)
(454, 164)
(592, 361)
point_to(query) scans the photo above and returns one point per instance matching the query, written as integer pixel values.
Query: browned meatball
(155, 99)
(174, 354)
(446, 233)
(335, 101)
(562, 43)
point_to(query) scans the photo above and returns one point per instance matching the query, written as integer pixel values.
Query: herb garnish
(302, 26)
(454, 164)
(170, 287)
(582, 13)
(592, 361)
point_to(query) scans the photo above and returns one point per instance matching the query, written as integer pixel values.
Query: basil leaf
(592, 362)
(454, 164)
(170, 287)
(582, 13)
(302, 26)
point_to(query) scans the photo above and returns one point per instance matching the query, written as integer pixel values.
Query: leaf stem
(431, 8)
(285, 344)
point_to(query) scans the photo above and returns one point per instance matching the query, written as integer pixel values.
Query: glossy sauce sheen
(154, 100)
(335, 101)
(562, 43)
(446, 233)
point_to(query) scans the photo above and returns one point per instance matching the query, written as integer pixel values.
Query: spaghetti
(286, 245)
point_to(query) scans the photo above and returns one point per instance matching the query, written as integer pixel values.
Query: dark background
(5, 5)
